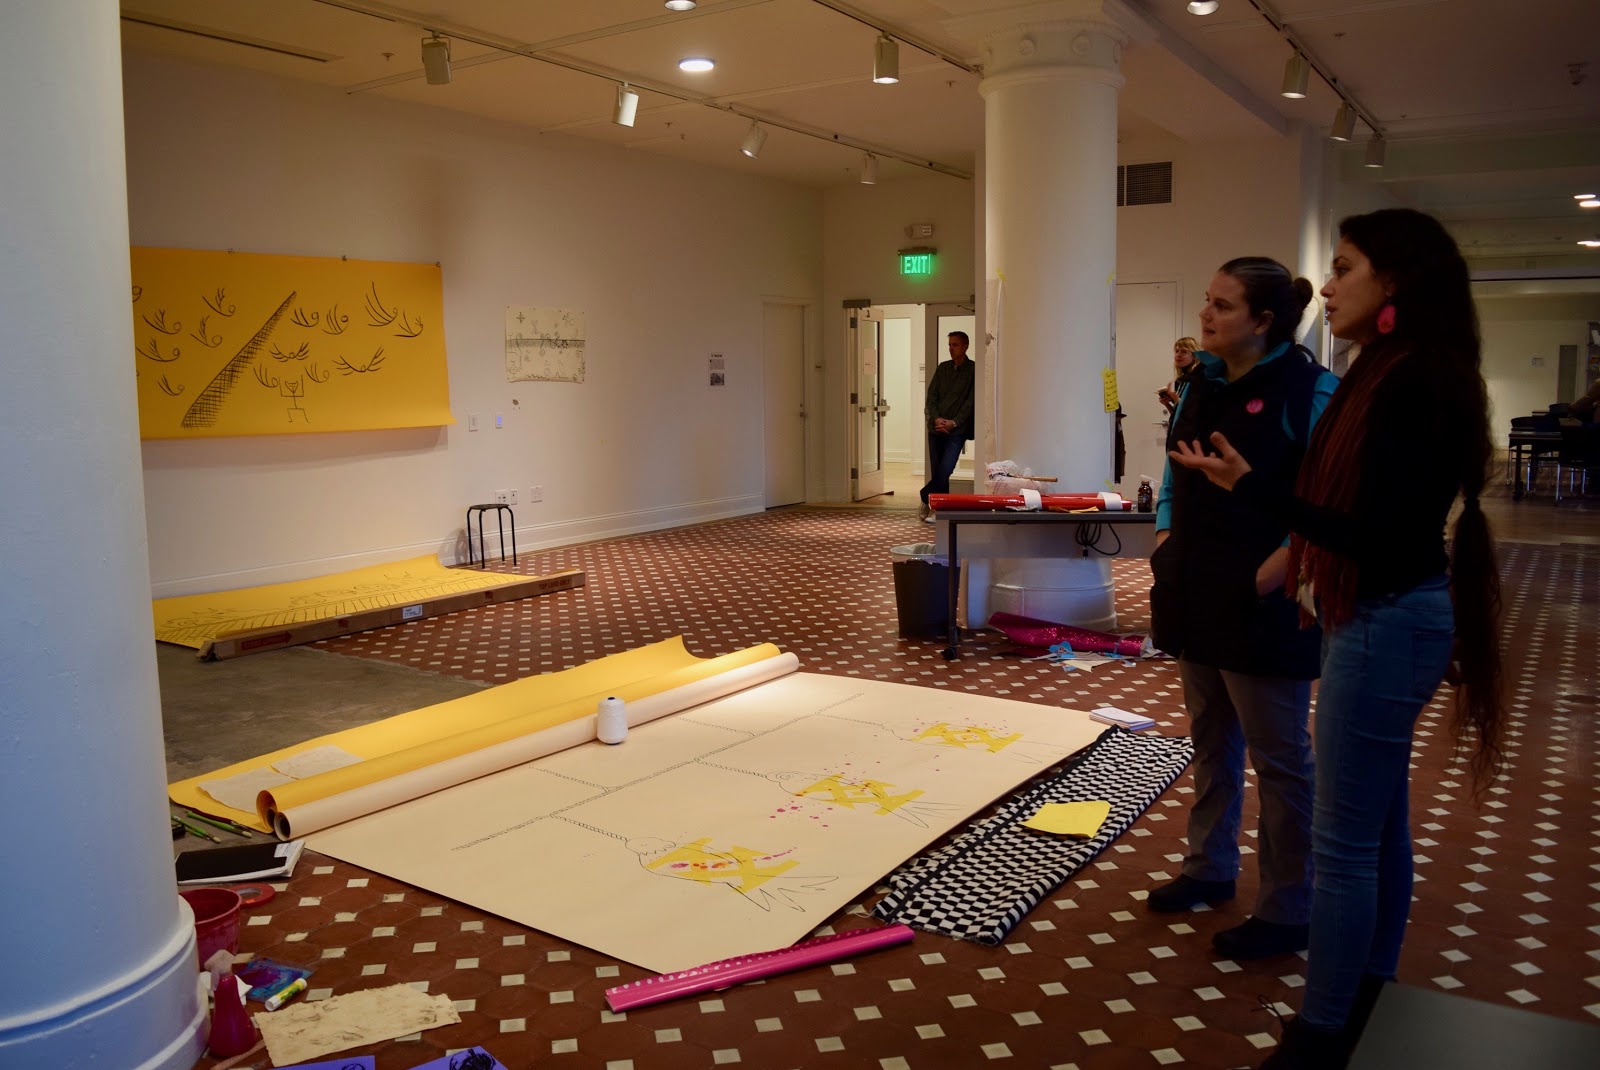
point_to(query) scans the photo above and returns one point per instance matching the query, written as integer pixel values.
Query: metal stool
(502, 512)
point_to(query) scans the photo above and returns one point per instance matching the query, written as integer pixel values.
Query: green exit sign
(916, 263)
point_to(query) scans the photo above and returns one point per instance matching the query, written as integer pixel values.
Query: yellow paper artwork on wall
(253, 344)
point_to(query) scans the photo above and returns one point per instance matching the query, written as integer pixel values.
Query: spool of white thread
(611, 723)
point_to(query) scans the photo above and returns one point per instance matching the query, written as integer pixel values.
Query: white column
(100, 957)
(1050, 106)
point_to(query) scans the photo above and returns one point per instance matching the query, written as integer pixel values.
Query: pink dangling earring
(1386, 319)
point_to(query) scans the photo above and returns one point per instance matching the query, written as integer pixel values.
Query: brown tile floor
(1507, 901)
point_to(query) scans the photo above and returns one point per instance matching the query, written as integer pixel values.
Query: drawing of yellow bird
(761, 878)
(877, 795)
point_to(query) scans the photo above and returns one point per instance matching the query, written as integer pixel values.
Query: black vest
(1204, 605)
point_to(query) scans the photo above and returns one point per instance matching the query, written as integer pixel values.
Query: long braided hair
(1434, 319)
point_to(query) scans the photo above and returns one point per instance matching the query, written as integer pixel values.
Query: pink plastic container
(216, 919)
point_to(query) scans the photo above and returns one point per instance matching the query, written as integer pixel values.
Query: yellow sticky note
(1070, 819)
(1109, 376)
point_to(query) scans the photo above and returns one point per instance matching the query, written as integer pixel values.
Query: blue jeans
(1378, 671)
(944, 450)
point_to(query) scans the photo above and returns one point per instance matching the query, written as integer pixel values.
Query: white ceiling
(1459, 73)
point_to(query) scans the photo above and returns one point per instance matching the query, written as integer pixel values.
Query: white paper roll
(309, 817)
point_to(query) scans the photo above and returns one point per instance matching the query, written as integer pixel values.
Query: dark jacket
(950, 395)
(1204, 605)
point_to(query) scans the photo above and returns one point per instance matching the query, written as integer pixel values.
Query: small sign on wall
(717, 369)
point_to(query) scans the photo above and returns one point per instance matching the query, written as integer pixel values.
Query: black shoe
(1257, 939)
(1186, 893)
(1305, 1047)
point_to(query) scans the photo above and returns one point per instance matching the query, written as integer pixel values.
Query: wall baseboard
(453, 550)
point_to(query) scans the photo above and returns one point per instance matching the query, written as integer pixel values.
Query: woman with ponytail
(1406, 432)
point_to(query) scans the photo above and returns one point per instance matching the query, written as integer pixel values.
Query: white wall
(669, 263)
(863, 228)
(903, 340)
(1518, 330)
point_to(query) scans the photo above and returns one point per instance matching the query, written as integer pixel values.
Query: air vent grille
(1144, 183)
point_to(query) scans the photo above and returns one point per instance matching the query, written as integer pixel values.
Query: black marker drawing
(208, 405)
(138, 292)
(168, 389)
(335, 322)
(160, 322)
(305, 319)
(154, 353)
(377, 314)
(199, 335)
(215, 304)
(407, 328)
(299, 354)
(346, 368)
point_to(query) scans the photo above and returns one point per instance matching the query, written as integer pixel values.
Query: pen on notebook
(196, 830)
(224, 825)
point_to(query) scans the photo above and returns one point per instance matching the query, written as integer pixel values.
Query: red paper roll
(1026, 631)
(1058, 503)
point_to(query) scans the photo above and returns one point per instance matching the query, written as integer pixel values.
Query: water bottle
(1147, 495)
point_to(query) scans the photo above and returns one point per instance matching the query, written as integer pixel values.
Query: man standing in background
(949, 415)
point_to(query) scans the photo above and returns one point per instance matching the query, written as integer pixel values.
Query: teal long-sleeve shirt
(1213, 366)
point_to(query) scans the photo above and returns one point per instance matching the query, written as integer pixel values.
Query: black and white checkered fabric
(981, 884)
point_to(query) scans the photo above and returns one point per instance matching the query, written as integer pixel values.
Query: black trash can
(921, 591)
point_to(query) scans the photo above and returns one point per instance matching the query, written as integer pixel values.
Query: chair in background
(1577, 457)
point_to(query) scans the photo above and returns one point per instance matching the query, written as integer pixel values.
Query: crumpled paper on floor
(307, 1030)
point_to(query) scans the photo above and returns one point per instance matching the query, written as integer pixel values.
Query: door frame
(811, 397)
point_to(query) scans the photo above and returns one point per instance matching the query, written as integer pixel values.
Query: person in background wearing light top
(1184, 368)
(1406, 432)
(949, 415)
(1218, 606)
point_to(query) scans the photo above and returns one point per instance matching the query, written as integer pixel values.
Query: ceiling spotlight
(869, 170)
(1344, 123)
(627, 105)
(1590, 243)
(1295, 75)
(680, 5)
(436, 60)
(1202, 7)
(696, 64)
(1592, 202)
(886, 60)
(1583, 196)
(1377, 148)
(754, 138)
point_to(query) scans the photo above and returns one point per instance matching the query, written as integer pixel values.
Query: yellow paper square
(1108, 378)
(1070, 819)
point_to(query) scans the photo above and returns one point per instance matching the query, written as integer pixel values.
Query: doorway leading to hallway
(911, 343)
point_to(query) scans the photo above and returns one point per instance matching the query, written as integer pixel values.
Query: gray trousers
(1230, 712)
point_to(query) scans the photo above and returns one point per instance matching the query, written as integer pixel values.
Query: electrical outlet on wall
(502, 497)
(536, 494)
(511, 496)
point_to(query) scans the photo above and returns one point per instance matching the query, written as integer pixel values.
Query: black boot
(1186, 893)
(1305, 1047)
(1257, 939)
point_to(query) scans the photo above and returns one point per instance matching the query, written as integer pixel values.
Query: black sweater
(1418, 434)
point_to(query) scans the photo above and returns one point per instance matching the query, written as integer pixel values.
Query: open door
(867, 404)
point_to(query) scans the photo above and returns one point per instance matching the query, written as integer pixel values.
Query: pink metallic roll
(1049, 503)
(1026, 631)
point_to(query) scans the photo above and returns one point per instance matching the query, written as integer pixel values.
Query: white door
(867, 404)
(1148, 322)
(783, 350)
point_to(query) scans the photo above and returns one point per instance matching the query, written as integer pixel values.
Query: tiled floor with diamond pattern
(1507, 897)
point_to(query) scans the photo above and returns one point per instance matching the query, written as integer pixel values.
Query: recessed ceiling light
(1592, 202)
(1592, 243)
(696, 64)
(680, 5)
(1583, 196)
(1202, 7)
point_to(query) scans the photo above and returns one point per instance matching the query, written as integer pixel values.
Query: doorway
(1147, 319)
(783, 357)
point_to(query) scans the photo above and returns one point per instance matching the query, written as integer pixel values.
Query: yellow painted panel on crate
(254, 344)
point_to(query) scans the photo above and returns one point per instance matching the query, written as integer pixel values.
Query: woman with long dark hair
(1406, 432)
